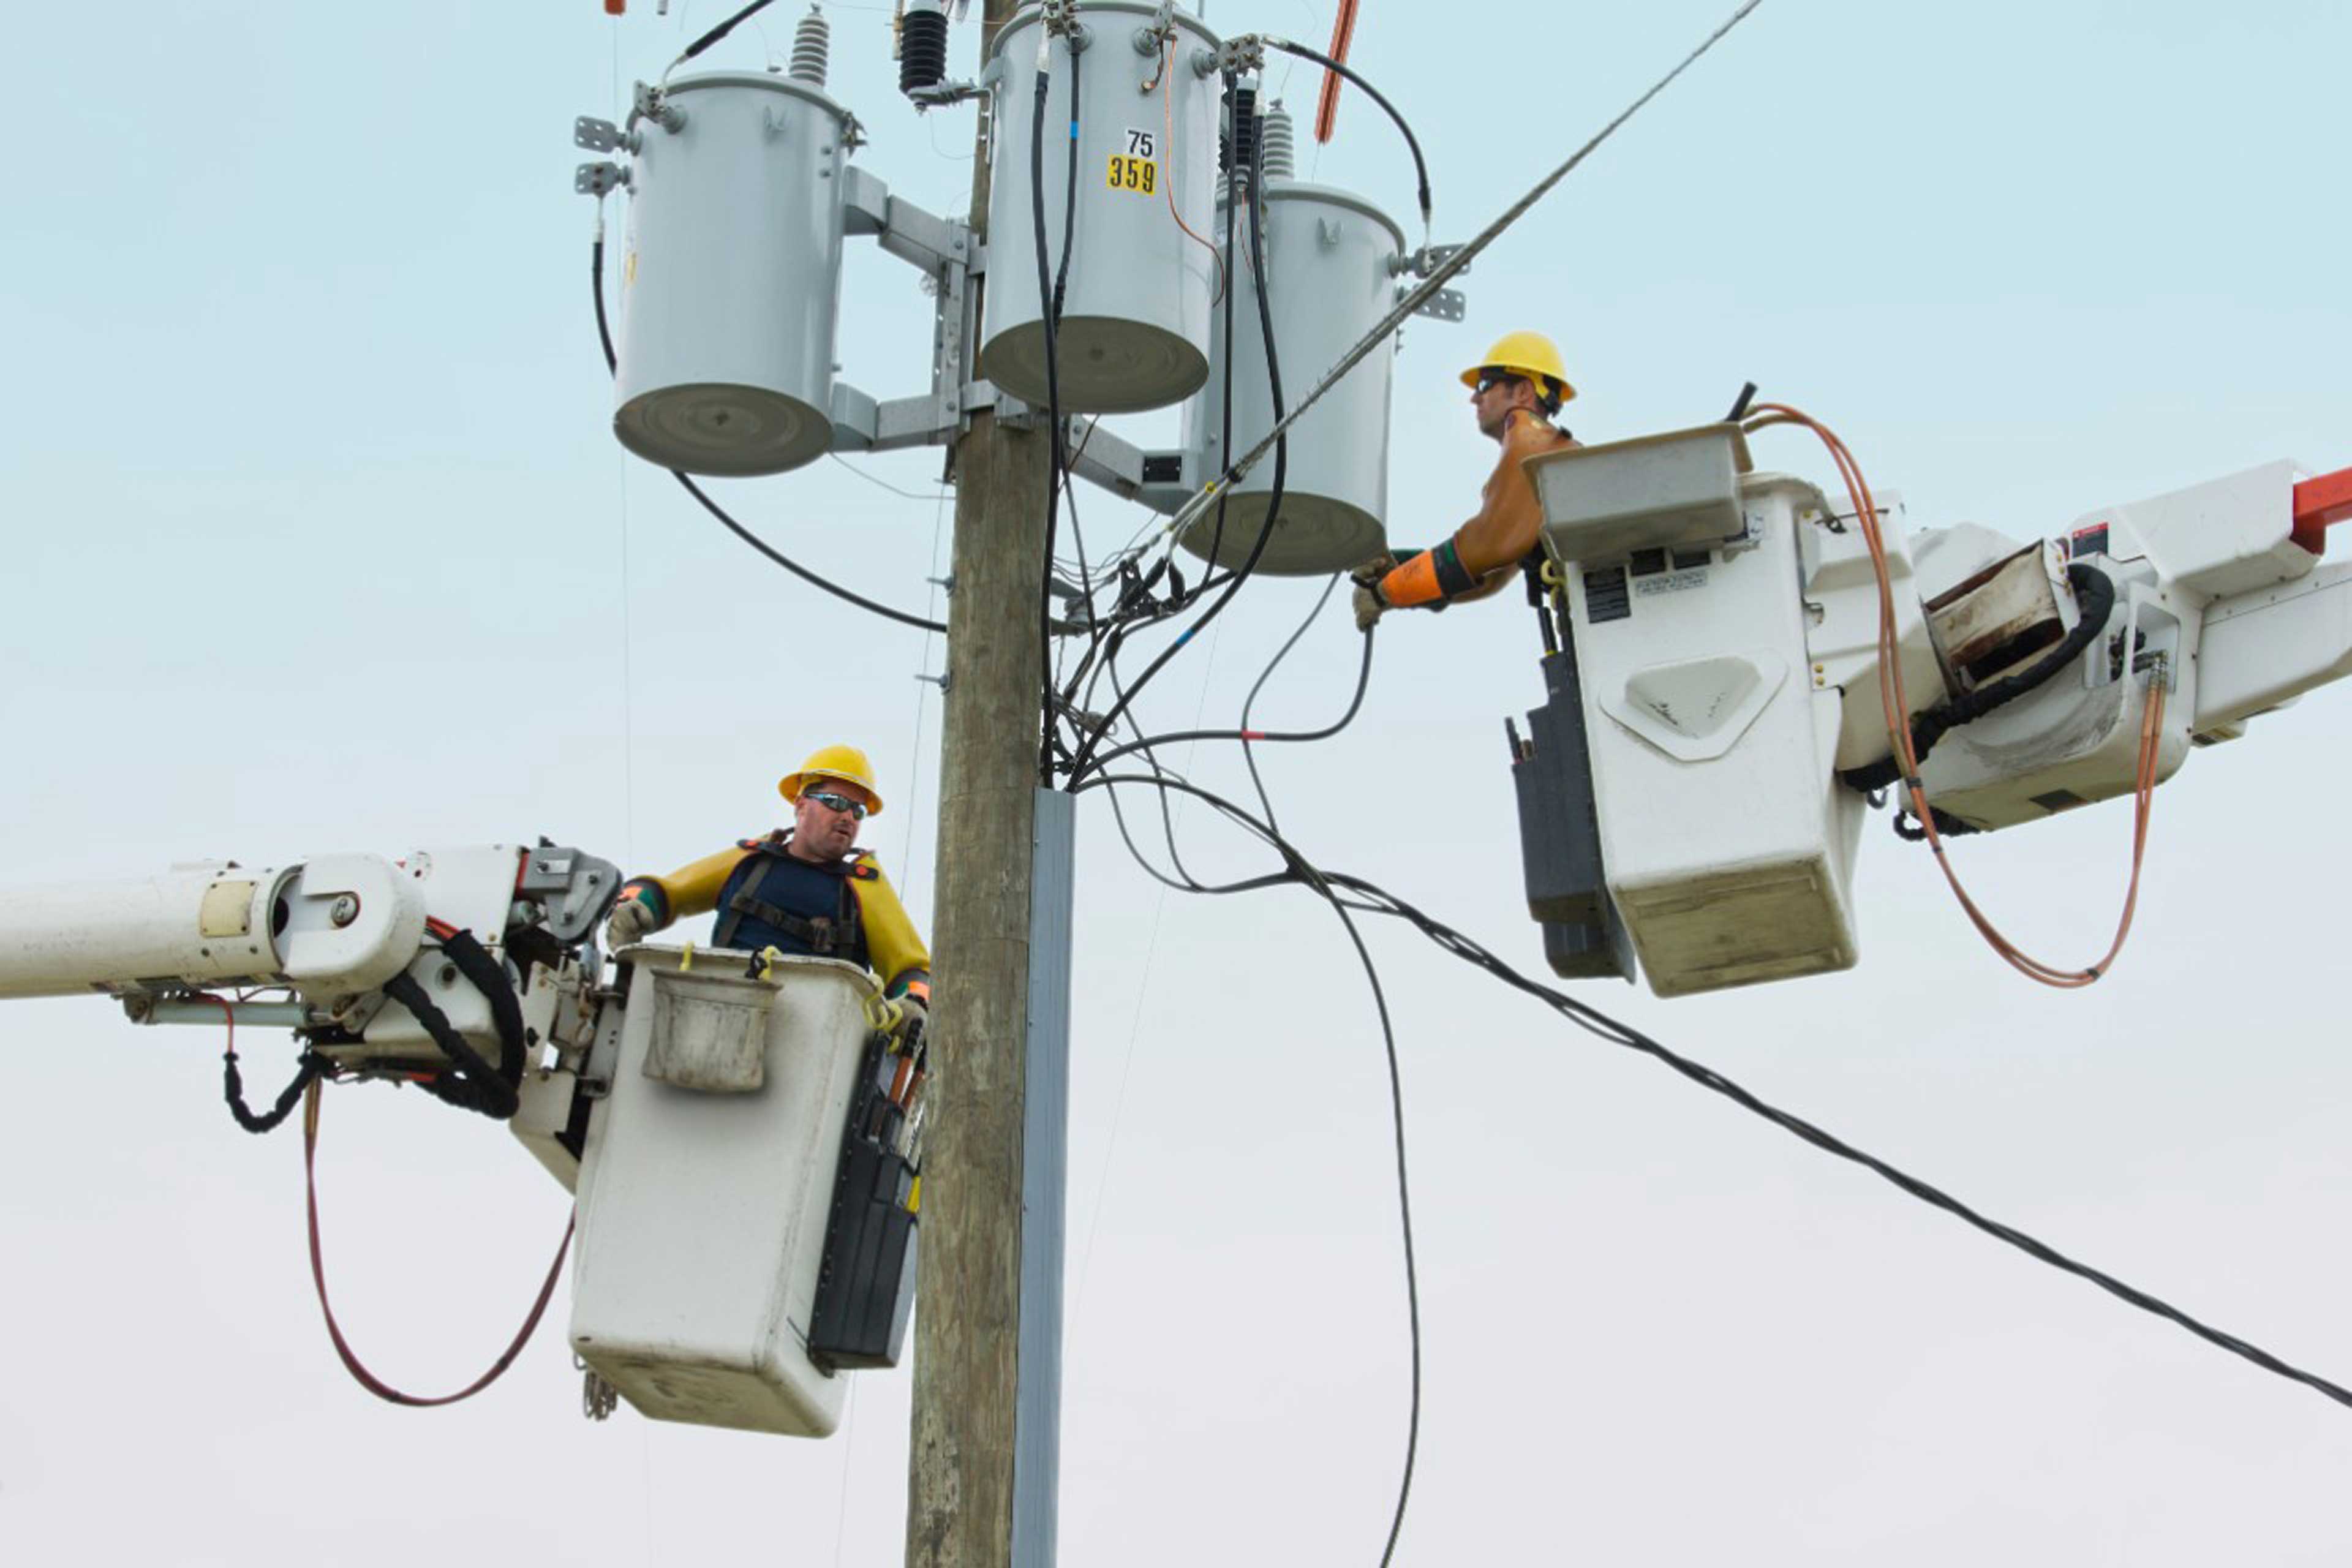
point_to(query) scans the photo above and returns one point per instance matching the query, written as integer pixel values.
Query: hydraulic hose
(2096, 596)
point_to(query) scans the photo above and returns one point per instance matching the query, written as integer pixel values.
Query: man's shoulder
(1530, 434)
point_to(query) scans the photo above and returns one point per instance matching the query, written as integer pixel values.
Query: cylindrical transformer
(1134, 329)
(733, 270)
(1329, 281)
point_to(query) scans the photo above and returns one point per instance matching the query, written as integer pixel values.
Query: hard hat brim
(791, 785)
(1470, 378)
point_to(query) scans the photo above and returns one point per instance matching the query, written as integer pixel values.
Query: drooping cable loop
(1895, 704)
(1372, 899)
(612, 364)
(343, 1351)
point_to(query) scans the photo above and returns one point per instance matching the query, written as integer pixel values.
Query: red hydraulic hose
(367, 1379)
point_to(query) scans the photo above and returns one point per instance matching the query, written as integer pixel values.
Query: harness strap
(730, 919)
(827, 935)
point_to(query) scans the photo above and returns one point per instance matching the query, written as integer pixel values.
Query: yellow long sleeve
(892, 943)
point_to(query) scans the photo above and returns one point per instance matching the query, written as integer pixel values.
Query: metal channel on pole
(1044, 1183)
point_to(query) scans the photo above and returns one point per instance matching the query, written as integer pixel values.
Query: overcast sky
(318, 539)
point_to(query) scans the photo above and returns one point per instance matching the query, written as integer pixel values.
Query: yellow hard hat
(846, 764)
(1524, 353)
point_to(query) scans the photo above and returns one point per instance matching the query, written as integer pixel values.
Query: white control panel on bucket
(1726, 840)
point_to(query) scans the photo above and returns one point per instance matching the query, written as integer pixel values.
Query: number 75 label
(1136, 167)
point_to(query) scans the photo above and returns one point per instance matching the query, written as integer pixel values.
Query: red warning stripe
(2317, 504)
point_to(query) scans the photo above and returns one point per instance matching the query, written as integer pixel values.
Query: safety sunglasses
(1490, 379)
(832, 802)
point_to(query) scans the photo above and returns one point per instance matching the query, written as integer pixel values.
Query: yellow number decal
(1139, 175)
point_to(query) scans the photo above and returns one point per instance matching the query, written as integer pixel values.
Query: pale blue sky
(316, 539)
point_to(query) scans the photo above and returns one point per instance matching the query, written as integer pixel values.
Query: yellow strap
(686, 959)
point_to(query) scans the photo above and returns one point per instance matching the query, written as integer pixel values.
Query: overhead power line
(1438, 276)
(612, 364)
(1374, 900)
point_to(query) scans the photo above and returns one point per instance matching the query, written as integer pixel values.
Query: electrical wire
(1249, 752)
(1245, 734)
(1420, 165)
(881, 483)
(1894, 700)
(1372, 899)
(613, 366)
(1281, 464)
(1049, 321)
(1426, 289)
(1168, 185)
(719, 32)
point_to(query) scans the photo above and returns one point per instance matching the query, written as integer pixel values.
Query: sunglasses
(1491, 379)
(832, 801)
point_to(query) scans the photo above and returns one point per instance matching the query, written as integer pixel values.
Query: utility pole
(988, 1322)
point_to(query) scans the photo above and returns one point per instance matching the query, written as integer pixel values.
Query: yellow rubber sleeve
(892, 943)
(693, 889)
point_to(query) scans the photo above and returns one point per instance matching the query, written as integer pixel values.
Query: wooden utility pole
(961, 1481)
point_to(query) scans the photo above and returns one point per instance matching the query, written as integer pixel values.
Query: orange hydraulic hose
(1327, 104)
(1895, 702)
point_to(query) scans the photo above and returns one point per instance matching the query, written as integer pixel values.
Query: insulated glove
(1369, 602)
(631, 920)
(914, 1015)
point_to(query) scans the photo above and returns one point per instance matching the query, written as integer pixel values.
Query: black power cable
(1249, 753)
(1050, 291)
(1371, 898)
(613, 366)
(728, 26)
(1246, 736)
(1235, 110)
(1273, 494)
(1420, 165)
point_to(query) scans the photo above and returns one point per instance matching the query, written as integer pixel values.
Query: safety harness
(839, 935)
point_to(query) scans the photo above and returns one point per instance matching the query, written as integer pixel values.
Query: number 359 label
(1136, 167)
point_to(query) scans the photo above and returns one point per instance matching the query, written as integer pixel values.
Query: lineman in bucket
(1514, 392)
(806, 889)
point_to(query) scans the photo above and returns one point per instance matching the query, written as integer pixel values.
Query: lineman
(805, 889)
(1514, 392)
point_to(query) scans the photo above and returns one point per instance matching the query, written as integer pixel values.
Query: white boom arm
(334, 930)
